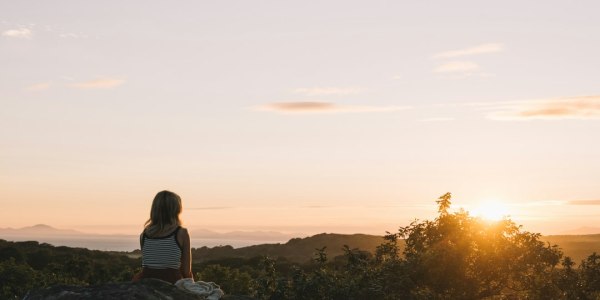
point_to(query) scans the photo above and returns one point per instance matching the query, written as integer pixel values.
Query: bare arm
(186, 256)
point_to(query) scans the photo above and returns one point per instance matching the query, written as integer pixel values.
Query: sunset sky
(298, 116)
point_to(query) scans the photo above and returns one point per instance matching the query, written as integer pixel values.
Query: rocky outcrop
(149, 289)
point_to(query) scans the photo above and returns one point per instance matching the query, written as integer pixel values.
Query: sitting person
(165, 244)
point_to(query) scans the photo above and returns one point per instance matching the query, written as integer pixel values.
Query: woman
(165, 244)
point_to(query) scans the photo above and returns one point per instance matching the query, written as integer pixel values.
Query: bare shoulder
(183, 237)
(183, 232)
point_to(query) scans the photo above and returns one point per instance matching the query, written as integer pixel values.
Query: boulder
(149, 289)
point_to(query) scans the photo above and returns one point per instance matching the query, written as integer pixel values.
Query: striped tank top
(161, 252)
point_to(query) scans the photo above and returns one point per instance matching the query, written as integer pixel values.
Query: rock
(150, 289)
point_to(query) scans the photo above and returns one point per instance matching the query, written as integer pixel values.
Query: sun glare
(491, 210)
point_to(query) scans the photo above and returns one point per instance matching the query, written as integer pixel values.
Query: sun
(492, 210)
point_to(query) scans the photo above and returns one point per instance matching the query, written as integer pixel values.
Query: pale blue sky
(298, 116)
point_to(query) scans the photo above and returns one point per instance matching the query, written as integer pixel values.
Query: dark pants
(169, 275)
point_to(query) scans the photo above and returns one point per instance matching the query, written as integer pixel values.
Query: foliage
(296, 250)
(231, 280)
(28, 265)
(454, 256)
(590, 276)
(457, 256)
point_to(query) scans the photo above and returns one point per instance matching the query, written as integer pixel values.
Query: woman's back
(161, 252)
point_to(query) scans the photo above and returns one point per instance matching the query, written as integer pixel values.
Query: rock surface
(150, 289)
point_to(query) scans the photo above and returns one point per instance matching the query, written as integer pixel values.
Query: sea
(128, 243)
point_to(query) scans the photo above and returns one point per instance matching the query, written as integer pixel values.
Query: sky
(298, 116)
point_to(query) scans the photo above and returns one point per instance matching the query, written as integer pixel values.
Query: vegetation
(27, 265)
(297, 250)
(454, 256)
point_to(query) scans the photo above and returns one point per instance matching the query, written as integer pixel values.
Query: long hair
(165, 211)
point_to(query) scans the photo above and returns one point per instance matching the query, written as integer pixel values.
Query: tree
(444, 203)
(568, 280)
(458, 256)
(590, 276)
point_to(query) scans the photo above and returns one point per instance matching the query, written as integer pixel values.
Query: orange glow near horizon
(492, 209)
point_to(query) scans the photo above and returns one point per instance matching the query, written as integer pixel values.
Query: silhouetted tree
(590, 276)
(457, 256)
(444, 203)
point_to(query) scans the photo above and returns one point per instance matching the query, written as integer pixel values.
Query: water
(128, 242)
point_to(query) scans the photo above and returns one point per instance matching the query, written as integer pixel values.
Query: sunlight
(492, 210)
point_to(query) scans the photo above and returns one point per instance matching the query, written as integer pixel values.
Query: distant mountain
(38, 230)
(128, 242)
(46, 230)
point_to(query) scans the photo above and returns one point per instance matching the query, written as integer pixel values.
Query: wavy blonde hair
(165, 211)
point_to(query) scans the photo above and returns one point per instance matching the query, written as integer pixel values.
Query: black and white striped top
(161, 252)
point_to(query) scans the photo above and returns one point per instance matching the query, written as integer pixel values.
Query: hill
(299, 250)
(578, 247)
(582, 231)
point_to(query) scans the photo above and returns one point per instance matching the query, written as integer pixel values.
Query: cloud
(479, 49)
(100, 83)
(39, 86)
(71, 35)
(68, 35)
(326, 91)
(324, 107)
(457, 66)
(21, 33)
(584, 107)
(584, 202)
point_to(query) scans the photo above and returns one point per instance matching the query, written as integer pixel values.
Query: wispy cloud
(70, 35)
(457, 67)
(584, 202)
(326, 91)
(39, 86)
(475, 50)
(584, 107)
(21, 33)
(100, 83)
(324, 107)
(62, 32)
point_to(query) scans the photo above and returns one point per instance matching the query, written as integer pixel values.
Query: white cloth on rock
(210, 290)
